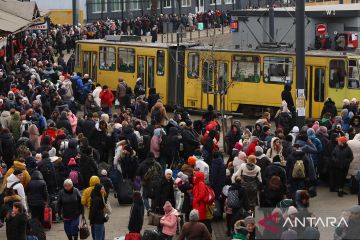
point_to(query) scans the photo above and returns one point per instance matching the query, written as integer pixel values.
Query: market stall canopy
(16, 16)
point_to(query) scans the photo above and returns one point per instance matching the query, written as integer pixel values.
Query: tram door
(146, 71)
(215, 77)
(315, 90)
(90, 65)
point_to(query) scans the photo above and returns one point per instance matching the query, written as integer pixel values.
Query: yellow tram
(193, 76)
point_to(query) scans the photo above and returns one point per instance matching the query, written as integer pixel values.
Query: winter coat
(248, 169)
(70, 152)
(130, 135)
(5, 119)
(96, 95)
(165, 193)
(190, 140)
(19, 188)
(263, 162)
(107, 98)
(152, 98)
(34, 137)
(329, 107)
(251, 148)
(69, 203)
(87, 126)
(354, 145)
(172, 144)
(194, 231)
(91, 106)
(15, 126)
(163, 114)
(199, 192)
(17, 226)
(86, 196)
(315, 156)
(342, 156)
(121, 90)
(232, 138)
(169, 222)
(51, 132)
(87, 164)
(99, 140)
(286, 96)
(36, 191)
(217, 175)
(139, 88)
(129, 165)
(63, 122)
(7, 150)
(243, 197)
(309, 149)
(209, 147)
(47, 169)
(19, 166)
(97, 206)
(155, 145)
(136, 219)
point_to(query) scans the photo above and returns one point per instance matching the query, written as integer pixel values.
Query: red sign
(321, 28)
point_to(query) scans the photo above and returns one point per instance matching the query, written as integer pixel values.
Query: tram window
(126, 60)
(160, 61)
(223, 77)
(337, 73)
(208, 69)
(245, 69)
(278, 70)
(107, 58)
(193, 65)
(319, 90)
(354, 80)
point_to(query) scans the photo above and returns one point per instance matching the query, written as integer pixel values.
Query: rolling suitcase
(124, 191)
(47, 218)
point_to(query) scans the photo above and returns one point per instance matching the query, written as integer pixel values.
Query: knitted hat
(72, 162)
(295, 129)
(188, 122)
(249, 220)
(342, 139)
(238, 146)
(251, 159)
(259, 151)
(192, 160)
(323, 131)
(291, 210)
(38, 157)
(194, 215)
(167, 171)
(103, 172)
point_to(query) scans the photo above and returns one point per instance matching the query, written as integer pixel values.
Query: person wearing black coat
(244, 207)
(209, 147)
(136, 219)
(87, 164)
(7, 150)
(329, 107)
(70, 207)
(152, 98)
(190, 140)
(17, 223)
(287, 97)
(88, 125)
(47, 169)
(341, 158)
(96, 215)
(130, 135)
(139, 88)
(70, 152)
(100, 141)
(217, 174)
(165, 192)
(63, 122)
(37, 195)
(45, 145)
(172, 146)
(232, 137)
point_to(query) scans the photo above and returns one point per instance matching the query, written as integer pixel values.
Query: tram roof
(136, 44)
(318, 53)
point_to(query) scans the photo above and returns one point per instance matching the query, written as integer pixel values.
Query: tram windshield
(354, 77)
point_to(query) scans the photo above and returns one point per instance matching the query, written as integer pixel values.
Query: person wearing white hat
(165, 192)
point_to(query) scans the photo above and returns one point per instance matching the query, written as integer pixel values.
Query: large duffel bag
(125, 191)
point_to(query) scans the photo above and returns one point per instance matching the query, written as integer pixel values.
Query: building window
(354, 77)
(160, 63)
(107, 58)
(212, 2)
(148, 4)
(127, 60)
(278, 70)
(337, 73)
(193, 65)
(117, 5)
(186, 3)
(246, 69)
(229, 1)
(99, 6)
(135, 5)
(167, 3)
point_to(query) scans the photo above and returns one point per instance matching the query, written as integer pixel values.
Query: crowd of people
(67, 144)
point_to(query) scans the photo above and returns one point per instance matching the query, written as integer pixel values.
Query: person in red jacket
(200, 193)
(251, 149)
(107, 99)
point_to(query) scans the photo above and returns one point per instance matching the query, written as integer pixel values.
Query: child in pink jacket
(169, 221)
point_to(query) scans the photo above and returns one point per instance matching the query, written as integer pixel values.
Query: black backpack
(156, 115)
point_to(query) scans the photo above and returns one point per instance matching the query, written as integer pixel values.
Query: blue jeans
(71, 226)
(98, 231)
